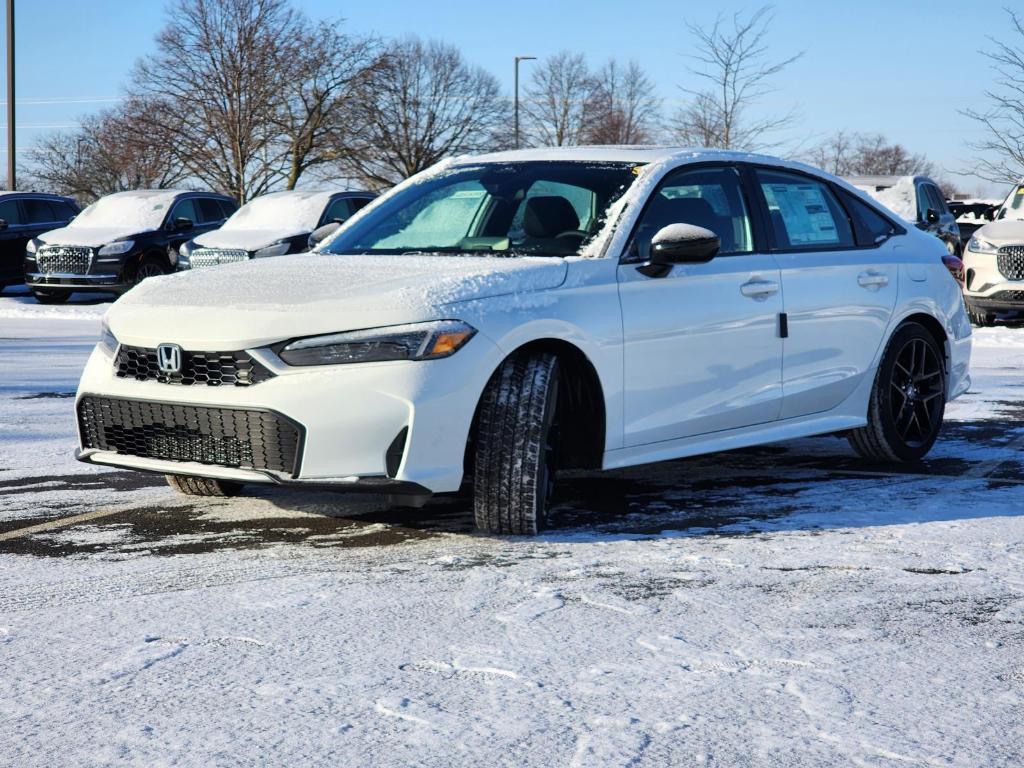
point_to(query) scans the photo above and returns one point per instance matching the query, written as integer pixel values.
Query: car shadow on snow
(805, 485)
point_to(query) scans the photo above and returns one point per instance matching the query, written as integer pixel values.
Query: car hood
(247, 239)
(265, 300)
(92, 237)
(1003, 232)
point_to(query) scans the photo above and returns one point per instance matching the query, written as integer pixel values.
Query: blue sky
(899, 68)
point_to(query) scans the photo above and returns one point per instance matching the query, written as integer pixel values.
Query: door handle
(872, 279)
(759, 289)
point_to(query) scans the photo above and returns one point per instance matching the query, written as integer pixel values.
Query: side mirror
(679, 244)
(320, 234)
(931, 215)
(182, 223)
(3, 223)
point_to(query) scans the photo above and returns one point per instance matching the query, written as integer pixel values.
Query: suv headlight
(417, 341)
(280, 248)
(108, 342)
(977, 245)
(185, 254)
(32, 246)
(116, 248)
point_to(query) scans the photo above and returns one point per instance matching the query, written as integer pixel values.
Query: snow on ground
(781, 606)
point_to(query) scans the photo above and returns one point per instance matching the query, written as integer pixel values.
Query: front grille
(63, 259)
(1010, 260)
(1010, 296)
(213, 369)
(225, 437)
(212, 257)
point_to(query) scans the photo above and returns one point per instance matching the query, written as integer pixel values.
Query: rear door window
(804, 213)
(210, 212)
(228, 207)
(65, 212)
(39, 211)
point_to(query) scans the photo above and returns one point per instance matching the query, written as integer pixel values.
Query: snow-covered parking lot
(782, 606)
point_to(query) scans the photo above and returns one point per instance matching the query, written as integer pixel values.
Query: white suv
(502, 317)
(994, 265)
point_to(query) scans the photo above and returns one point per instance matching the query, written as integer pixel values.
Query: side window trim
(742, 171)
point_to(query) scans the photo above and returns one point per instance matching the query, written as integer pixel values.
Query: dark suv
(916, 199)
(23, 216)
(120, 240)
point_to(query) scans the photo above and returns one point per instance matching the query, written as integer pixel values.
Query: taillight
(955, 265)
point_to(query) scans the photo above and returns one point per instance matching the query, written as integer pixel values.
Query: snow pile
(901, 198)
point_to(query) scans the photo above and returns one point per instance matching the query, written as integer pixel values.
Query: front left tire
(515, 446)
(202, 486)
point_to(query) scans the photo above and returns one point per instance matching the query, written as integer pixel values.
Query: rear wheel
(515, 458)
(51, 297)
(202, 486)
(908, 399)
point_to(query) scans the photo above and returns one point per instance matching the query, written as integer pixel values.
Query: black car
(916, 199)
(23, 216)
(120, 240)
(275, 224)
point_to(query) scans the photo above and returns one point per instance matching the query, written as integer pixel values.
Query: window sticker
(805, 213)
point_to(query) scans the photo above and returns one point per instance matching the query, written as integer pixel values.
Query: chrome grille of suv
(212, 257)
(1010, 260)
(63, 259)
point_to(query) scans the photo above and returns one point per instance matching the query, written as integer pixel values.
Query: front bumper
(987, 289)
(79, 283)
(351, 416)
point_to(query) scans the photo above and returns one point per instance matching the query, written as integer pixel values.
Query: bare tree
(214, 85)
(851, 154)
(427, 104)
(1003, 147)
(733, 61)
(624, 109)
(107, 153)
(560, 101)
(329, 77)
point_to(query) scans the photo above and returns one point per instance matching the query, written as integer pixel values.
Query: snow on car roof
(623, 154)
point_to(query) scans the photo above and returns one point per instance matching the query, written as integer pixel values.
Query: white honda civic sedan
(501, 317)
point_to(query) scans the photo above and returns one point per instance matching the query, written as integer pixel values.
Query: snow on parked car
(275, 224)
(729, 300)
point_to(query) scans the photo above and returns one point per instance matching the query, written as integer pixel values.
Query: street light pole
(516, 117)
(10, 96)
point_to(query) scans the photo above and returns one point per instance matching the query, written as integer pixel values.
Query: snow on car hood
(265, 300)
(246, 239)
(92, 237)
(1003, 232)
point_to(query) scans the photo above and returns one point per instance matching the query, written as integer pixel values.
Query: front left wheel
(908, 399)
(202, 486)
(516, 436)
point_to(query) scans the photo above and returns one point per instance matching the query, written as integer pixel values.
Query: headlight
(185, 254)
(116, 248)
(108, 342)
(419, 341)
(279, 248)
(977, 245)
(32, 246)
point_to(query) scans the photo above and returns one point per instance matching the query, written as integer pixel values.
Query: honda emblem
(168, 358)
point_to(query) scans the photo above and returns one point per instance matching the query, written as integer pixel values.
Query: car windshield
(529, 208)
(1013, 206)
(280, 211)
(132, 211)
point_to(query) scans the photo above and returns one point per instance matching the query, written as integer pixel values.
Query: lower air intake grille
(1010, 261)
(226, 437)
(211, 257)
(1007, 296)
